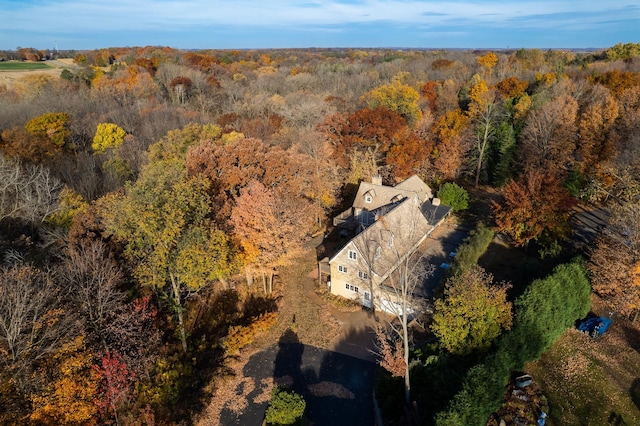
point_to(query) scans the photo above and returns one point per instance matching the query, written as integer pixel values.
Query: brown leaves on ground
(330, 389)
(299, 309)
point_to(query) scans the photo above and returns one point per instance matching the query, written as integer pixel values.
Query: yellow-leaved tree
(472, 313)
(397, 97)
(108, 135)
(71, 387)
(163, 221)
(53, 125)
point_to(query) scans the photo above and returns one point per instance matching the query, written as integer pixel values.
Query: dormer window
(368, 196)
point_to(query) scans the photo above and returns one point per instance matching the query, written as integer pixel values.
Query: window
(367, 198)
(377, 255)
(355, 289)
(347, 286)
(367, 295)
(342, 269)
(352, 255)
(391, 241)
(351, 287)
(363, 275)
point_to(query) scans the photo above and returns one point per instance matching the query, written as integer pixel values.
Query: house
(386, 225)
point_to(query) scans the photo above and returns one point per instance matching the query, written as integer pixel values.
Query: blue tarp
(595, 327)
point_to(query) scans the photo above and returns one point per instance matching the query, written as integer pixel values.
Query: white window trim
(353, 255)
(342, 269)
(363, 275)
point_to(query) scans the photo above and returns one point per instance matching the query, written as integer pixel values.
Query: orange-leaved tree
(270, 227)
(615, 260)
(534, 206)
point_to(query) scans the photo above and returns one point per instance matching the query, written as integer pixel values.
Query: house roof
(404, 216)
(382, 195)
(392, 236)
(383, 244)
(415, 184)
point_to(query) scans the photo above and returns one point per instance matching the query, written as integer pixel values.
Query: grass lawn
(22, 66)
(592, 381)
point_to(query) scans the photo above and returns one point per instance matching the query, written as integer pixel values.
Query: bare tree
(33, 322)
(397, 270)
(91, 277)
(27, 191)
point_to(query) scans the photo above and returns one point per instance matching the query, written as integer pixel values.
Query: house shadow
(337, 388)
(635, 392)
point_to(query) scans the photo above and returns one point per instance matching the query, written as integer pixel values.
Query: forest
(152, 198)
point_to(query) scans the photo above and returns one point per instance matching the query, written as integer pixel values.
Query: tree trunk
(178, 308)
(483, 146)
(264, 283)
(407, 379)
(270, 282)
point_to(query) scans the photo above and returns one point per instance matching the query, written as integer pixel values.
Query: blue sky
(202, 24)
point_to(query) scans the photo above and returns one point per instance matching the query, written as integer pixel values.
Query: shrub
(473, 247)
(454, 196)
(285, 408)
(240, 336)
(546, 309)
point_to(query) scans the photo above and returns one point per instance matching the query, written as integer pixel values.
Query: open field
(23, 66)
(12, 71)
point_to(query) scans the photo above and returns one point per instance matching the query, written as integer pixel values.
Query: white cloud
(126, 15)
(285, 23)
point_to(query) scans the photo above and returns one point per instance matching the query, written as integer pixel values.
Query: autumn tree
(19, 144)
(127, 84)
(69, 387)
(115, 382)
(618, 81)
(163, 221)
(512, 87)
(451, 148)
(549, 136)
(53, 126)
(108, 135)
(472, 313)
(615, 260)
(371, 131)
(324, 179)
(397, 97)
(270, 228)
(595, 125)
(181, 86)
(483, 113)
(231, 166)
(488, 61)
(399, 289)
(535, 207)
